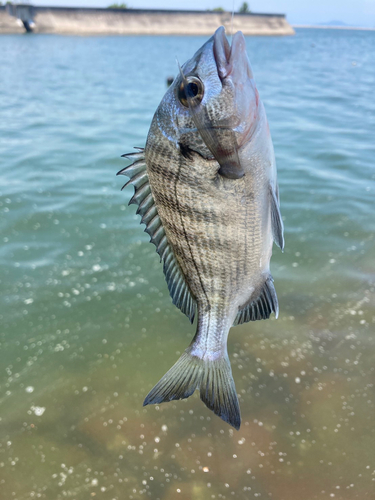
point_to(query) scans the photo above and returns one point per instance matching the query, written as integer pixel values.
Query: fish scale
(202, 233)
(206, 188)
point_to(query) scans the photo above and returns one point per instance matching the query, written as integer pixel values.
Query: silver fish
(206, 188)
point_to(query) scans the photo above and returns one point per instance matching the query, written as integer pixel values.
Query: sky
(351, 12)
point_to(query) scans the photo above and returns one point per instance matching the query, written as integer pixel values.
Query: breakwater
(95, 21)
(8, 23)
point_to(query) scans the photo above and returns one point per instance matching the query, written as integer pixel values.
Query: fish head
(239, 91)
(212, 106)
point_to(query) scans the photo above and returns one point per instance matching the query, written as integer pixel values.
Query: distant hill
(333, 23)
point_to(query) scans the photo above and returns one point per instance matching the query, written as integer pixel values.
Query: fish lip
(234, 70)
(226, 56)
(222, 52)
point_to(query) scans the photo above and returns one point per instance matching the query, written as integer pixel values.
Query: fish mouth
(234, 70)
(231, 60)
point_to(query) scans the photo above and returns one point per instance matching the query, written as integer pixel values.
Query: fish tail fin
(179, 382)
(218, 392)
(213, 377)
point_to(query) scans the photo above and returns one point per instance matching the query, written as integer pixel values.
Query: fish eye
(194, 88)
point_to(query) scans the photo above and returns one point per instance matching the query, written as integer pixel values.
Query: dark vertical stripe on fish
(185, 233)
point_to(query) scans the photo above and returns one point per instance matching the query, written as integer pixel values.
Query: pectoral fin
(276, 220)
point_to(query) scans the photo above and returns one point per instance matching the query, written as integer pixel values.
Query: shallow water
(87, 325)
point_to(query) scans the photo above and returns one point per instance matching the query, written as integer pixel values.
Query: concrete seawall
(86, 21)
(9, 24)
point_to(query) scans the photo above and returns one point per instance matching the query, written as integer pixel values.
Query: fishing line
(231, 23)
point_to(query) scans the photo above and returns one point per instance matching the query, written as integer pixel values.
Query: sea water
(87, 326)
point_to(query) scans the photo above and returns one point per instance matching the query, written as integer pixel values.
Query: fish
(206, 189)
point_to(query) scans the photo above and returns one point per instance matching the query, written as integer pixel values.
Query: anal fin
(260, 307)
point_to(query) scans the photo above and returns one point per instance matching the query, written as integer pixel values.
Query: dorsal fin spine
(135, 155)
(138, 180)
(153, 225)
(138, 177)
(168, 260)
(174, 280)
(157, 235)
(149, 215)
(169, 268)
(179, 294)
(133, 169)
(163, 245)
(140, 194)
(145, 204)
(165, 252)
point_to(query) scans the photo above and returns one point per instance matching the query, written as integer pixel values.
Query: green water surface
(86, 323)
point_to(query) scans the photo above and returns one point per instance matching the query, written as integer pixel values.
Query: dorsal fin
(276, 220)
(177, 286)
(260, 307)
